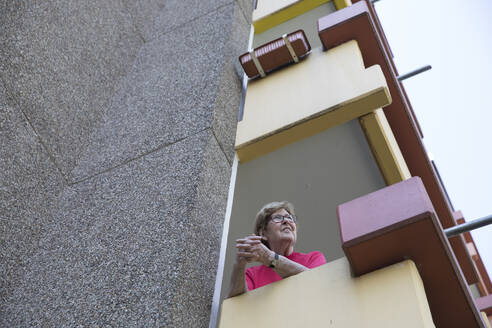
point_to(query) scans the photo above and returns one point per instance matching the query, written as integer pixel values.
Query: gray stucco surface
(61, 61)
(176, 13)
(247, 8)
(165, 96)
(144, 13)
(116, 251)
(227, 99)
(117, 124)
(194, 287)
(29, 184)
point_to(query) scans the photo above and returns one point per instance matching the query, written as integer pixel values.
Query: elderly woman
(272, 247)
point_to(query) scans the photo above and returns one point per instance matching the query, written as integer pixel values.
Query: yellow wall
(485, 319)
(384, 147)
(329, 297)
(306, 22)
(270, 13)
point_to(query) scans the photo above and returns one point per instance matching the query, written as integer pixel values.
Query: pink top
(261, 275)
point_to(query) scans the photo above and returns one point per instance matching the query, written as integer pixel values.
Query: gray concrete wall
(117, 123)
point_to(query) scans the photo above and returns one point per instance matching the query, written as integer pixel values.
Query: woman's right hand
(245, 253)
(243, 246)
(251, 249)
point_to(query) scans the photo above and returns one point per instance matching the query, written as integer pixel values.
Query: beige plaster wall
(328, 296)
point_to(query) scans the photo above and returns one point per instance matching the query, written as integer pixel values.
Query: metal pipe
(468, 226)
(415, 72)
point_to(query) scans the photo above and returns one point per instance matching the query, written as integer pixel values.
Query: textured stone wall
(117, 124)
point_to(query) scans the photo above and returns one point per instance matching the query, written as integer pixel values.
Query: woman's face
(284, 231)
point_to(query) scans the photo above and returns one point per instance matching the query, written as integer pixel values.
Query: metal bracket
(291, 50)
(257, 63)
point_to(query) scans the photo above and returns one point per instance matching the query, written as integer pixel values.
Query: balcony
(328, 296)
(399, 271)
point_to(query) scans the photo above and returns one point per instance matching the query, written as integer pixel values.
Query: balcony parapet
(324, 90)
(399, 222)
(484, 283)
(484, 305)
(328, 295)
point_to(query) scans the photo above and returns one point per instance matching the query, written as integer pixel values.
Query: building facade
(126, 173)
(336, 134)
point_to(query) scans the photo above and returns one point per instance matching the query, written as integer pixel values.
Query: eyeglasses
(281, 218)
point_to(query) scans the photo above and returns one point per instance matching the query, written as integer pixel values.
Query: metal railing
(468, 226)
(414, 72)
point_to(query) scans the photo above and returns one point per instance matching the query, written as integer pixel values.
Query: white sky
(453, 101)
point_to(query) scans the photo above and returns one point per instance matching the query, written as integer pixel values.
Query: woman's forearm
(286, 268)
(238, 280)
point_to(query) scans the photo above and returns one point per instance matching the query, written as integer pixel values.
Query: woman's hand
(251, 249)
